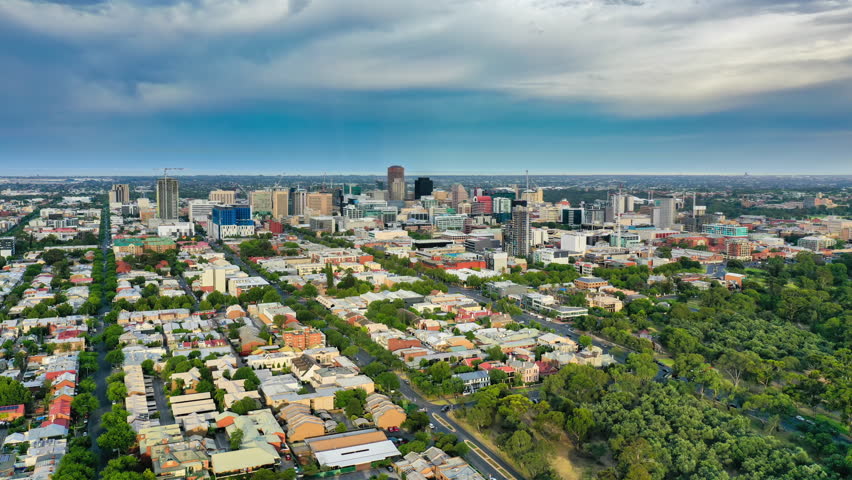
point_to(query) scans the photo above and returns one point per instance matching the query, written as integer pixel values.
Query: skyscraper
(280, 203)
(318, 203)
(300, 202)
(119, 193)
(458, 194)
(261, 201)
(664, 213)
(482, 205)
(168, 196)
(396, 183)
(517, 232)
(231, 221)
(422, 187)
(225, 197)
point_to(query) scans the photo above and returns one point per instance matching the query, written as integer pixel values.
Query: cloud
(626, 57)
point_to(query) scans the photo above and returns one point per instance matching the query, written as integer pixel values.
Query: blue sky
(446, 86)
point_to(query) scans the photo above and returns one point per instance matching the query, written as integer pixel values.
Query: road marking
(443, 422)
(489, 460)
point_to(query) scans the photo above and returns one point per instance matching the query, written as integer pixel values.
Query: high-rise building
(422, 187)
(396, 183)
(200, 210)
(664, 212)
(261, 202)
(231, 221)
(225, 197)
(458, 194)
(280, 203)
(119, 193)
(300, 201)
(168, 196)
(501, 205)
(518, 232)
(572, 216)
(319, 204)
(482, 205)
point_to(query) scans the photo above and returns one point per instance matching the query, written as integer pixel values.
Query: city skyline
(565, 87)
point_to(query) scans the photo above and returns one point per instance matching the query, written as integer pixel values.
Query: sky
(441, 86)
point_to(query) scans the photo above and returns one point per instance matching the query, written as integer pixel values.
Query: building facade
(168, 195)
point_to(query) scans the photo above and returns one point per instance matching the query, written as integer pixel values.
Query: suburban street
(104, 368)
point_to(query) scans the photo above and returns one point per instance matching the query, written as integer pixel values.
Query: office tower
(318, 203)
(7, 246)
(441, 195)
(572, 216)
(594, 215)
(200, 210)
(119, 193)
(352, 189)
(225, 197)
(501, 205)
(300, 202)
(458, 194)
(517, 234)
(482, 205)
(167, 198)
(280, 203)
(261, 202)
(664, 212)
(231, 221)
(396, 183)
(422, 187)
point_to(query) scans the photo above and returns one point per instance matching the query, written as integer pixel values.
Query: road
(362, 358)
(485, 467)
(95, 429)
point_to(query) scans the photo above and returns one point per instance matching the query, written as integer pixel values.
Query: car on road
(390, 468)
(393, 429)
(446, 408)
(800, 418)
(432, 426)
(288, 457)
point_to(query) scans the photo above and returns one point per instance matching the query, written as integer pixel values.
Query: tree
(245, 405)
(84, 404)
(115, 357)
(148, 366)
(116, 391)
(735, 364)
(642, 365)
(13, 392)
(440, 371)
(118, 437)
(236, 439)
(585, 341)
(247, 374)
(495, 353)
(388, 381)
(354, 408)
(580, 423)
(495, 375)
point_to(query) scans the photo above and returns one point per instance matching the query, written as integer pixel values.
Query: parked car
(393, 429)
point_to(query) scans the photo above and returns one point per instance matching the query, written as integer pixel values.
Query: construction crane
(166, 170)
(278, 183)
